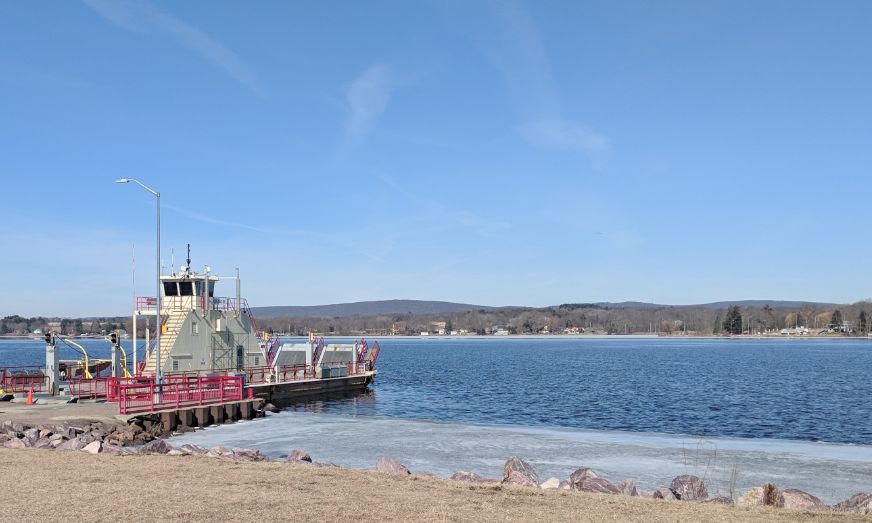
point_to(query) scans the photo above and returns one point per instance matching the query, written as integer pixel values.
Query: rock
(269, 407)
(580, 474)
(860, 502)
(646, 494)
(72, 444)
(4, 438)
(523, 469)
(764, 495)
(520, 479)
(193, 450)
(44, 433)
(718, 500)
(586, 480)
(116, 450)
(628, 487)
(299, 455)
(176, 452)
(55, 437)
(249, 455)
(15, 443)
(795, 498)
(666, 493)
(43, 443)
(391, 466)
(94, 447)
(157, 446)
(564, 485)
(598, 485)
(550, 484)
(689, 488)
(98, 434)
(219, 452)
(462, 475)
(32, 433)
(30, 440)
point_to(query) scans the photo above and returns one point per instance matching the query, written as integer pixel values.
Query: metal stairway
(174, 322)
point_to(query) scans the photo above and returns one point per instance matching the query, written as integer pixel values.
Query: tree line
(853, 319)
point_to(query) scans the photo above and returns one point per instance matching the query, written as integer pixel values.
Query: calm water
(785, 389)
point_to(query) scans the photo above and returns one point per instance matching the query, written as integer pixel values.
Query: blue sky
(485, 152)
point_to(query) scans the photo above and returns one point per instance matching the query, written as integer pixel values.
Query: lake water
(792, 411)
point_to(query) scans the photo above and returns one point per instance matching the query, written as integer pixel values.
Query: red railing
(144, 395)
(23, 379)
(93, 388)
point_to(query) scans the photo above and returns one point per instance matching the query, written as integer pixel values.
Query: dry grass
(73, 486)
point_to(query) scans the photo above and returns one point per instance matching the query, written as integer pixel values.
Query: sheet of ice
(831, 471)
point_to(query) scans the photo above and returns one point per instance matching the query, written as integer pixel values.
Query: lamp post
(156, 195)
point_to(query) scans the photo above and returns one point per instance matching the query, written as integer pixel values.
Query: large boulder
(860, 502)
(391, 466)
(689, 488)
(766, 495)
(586, 480)
(524, 473)
(520, 479)
(795, 498)
(72, 444)
(95, 447)
(297, 455)
(157, 446)
(628, 487)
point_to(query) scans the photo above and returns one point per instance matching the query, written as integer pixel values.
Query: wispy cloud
(283, 232)
(144, 17)
(367, 98)
(463, 218)
(559, 134)
(522, 57)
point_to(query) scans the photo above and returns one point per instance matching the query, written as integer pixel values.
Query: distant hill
(383, 307)
(775, 304)
(364, 308)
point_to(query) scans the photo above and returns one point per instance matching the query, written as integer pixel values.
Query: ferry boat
(210, 352)
(205, 335)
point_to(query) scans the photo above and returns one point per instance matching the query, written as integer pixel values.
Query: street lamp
(158, 325)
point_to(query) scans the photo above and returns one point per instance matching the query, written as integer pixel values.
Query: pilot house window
(170, 288)
(186, 288)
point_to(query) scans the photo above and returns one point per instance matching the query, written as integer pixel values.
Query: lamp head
(123, 180)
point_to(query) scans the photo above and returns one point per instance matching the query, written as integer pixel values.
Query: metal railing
(23, 379)
(89, 388)
(145, 395)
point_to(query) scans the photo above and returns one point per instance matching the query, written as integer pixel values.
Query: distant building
(425, 333)
(501, 332)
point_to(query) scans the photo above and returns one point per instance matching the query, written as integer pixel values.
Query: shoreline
(280, 490)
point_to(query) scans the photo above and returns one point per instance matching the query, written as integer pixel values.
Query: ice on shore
(832, 472)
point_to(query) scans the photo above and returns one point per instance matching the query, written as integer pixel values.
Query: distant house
(501, 332)
(425, 333)
(798, 331)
